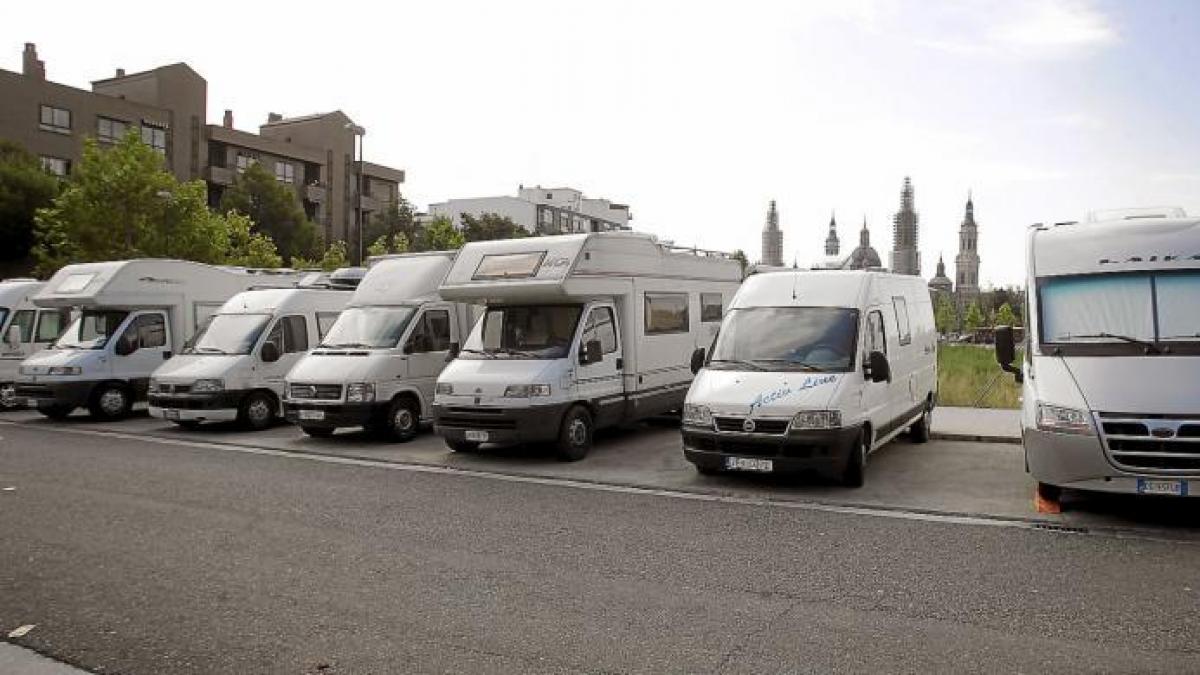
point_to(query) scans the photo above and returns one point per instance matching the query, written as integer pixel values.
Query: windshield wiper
(209, 350)
(517, 352)
(798, 364)
(347, 345)
(740, 362)
(1151, 348)
(477, 351)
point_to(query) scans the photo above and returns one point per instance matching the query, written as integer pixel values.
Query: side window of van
(295, 334)
(325, 321)
(431, 334)
(151, 331)
(903, 331)
(23, 319)
(51, 323)
(876, 338)
(600, 327)
(666, 313)
(710, 307)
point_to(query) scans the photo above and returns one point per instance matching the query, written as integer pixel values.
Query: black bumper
(221, 400)
(76, 394)
(824, 451)
(534, 424)
(336, 415)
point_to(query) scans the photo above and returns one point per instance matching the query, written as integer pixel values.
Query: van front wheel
(258, 411)
(855, 474)
(575, 435)
(110, 402)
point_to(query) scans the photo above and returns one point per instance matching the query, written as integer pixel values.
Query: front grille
(315, 392)
(34, 390)
(166, 388)
(475, 421)
(761, 426)
(747, 447)
(1158, 443)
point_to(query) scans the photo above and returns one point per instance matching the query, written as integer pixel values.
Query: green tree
(384, 245)
(488, 226)
(333, 258)
(274, 209)
(398, 218)
(945, 316)
(246, 247)
(974, 318)
(440, 235)
(24, 188)
(1005, 316)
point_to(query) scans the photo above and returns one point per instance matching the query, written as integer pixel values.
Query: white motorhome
(580, 332)
(812, 371)
(234, 368)
(1111, 371)
(24, 330)
(377, 365)
(150, 306)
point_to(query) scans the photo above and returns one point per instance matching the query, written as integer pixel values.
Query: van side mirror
(590, 353)
(878, 368)
(697, 360)
(127, 344)
(270, 352)
(1006, 352)
(13, 336)
(452, 352)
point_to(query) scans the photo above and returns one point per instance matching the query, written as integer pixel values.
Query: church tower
(772, 239)
(940, 284)
(832, 246)
(906, 259)
(966, 264)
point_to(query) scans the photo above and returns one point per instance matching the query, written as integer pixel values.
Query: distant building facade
(966, 263)
(167, 107)
(940, 285)
(832, 245)
(772, 238)
(905, 259)
(540, 210)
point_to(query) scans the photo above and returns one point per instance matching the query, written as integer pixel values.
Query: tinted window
(525, 332)
(903, 332)
(432, 333)
(24, 320)
(711, 307)
(295, 334)
(814, 339)
(51, 323)
(666, 313)
(151, 330)
(600, 327)
(876, 338)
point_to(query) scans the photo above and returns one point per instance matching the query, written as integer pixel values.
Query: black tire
(110, 402)
(575, 435)
(919, 431)
(855, 473)
(317, 432)
(258, 411)
(8, 396)
(462, 446)
(56, 412)
(402, 422)
(190, 425)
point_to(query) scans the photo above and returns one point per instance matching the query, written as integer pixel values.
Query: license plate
(476, 435)
(311, 414)
(749, 464)
(171, 414)
(1150, 486)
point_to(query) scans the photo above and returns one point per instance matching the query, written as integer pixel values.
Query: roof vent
(1137, 213)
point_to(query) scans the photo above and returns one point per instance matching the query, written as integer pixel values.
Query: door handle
(620, 364)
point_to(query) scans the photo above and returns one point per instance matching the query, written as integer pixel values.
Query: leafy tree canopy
(488, 226)
(24, 188)
(440, 235)
(274, 209)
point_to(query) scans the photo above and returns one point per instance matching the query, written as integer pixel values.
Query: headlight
(443, 389)
(360, 392)
(207, 386)
(817, 419)
(26, 370)
(697, 415)
(153, 385)
(64, 370)
(526, 390)
(1063, 420)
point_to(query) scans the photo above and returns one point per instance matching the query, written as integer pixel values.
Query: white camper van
(580, 332)
(813, 370)
(234, 368)
(1111, 372)
(377, 365)
(151, 306)
(24, 330)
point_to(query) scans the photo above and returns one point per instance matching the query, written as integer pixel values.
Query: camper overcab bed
(812, 371)
(376, 367)
(150, 307)
(580, 332)
(24, 330)
(1111, 371)
(234, 368)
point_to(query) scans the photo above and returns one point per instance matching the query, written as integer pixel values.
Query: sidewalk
(16, 659)
(983, 425)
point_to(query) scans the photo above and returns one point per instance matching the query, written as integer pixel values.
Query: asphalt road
(150, 555)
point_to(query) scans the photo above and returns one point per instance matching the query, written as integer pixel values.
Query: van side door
(599, 364)
(426, 349)
(876, 400)
(290, 337)
(141, 348)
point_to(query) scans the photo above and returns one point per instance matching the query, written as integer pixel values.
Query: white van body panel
(16, 299)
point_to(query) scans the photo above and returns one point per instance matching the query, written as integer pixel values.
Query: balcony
(219, 175)
(369, 202)
(314, 193)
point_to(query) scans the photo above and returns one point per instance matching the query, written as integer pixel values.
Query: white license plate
(749, 464)
(1149, 486)
(171, 414)
(476, 435)
(311, 414)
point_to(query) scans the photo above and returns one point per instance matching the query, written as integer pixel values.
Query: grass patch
(968, 375)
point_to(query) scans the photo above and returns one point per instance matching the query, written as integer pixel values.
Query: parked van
(1111, 370)
(377, 365)
(814, 370)
(580, 332)
(150, 306)
(24, 330)
(234, 368)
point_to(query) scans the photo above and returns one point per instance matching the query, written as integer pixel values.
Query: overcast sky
(696, 114)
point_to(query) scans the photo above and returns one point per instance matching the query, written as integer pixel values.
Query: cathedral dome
(865, 256)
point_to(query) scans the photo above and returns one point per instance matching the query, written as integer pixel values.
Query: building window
(111, 130)
(56, 165)
(245, 161)
(285, 172)
(56, 119)
(711, 308)
(155, 138)
(666, 313)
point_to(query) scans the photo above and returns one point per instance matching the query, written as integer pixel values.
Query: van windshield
(368, 328)
(228, 334)
(811, 339)
(3, 317)
(1121, 314)
(524, 332)
(91, 329)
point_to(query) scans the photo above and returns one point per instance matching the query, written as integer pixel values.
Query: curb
(974, 438)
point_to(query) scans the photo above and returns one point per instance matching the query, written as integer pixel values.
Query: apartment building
(167, 107)
(542, 210)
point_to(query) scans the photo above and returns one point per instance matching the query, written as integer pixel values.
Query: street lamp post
(357, 250)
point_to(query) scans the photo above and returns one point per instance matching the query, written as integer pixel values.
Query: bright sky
(696, 114)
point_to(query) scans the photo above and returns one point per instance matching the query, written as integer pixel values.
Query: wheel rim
(259, 411)
(403, 420)
(8, 395)
(112, 402)
(577, 432)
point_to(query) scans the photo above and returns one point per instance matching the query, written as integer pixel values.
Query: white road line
(896, 513)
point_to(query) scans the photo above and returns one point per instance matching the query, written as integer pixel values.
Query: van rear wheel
(919, 431)
(575, 435)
